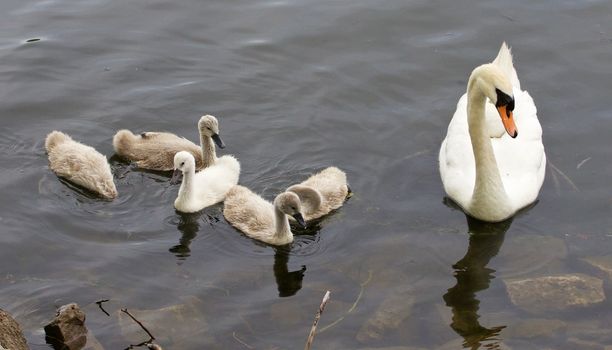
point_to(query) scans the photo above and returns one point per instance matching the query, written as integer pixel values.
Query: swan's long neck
(186, 190)
(209, 155)
(489, 194)
(311, 199)
(282, 229)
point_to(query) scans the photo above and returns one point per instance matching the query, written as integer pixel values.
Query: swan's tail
(54, 138)
(504, 62)
(122, 141)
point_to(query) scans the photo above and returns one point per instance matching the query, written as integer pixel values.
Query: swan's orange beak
(507, 120)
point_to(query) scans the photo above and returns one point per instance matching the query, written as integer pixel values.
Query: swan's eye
(504, 99)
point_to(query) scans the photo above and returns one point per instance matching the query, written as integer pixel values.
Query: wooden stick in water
(316, 321)
(148, 343)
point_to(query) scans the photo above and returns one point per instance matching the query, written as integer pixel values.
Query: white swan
(490, 173)
(156, 150)
(80, 164)
(322, 192)
(260, 219)
(207, 187)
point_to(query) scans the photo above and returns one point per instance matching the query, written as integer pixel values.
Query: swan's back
(154, 150)
(230, 166)
(332, 185)
(215, 181)
(521, 161)
(249, 213)
(80, 164)
(209, 186)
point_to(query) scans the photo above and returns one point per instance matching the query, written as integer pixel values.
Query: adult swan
(490, 173)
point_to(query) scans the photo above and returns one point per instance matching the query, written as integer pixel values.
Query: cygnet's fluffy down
(154, 150)
(80, 164)
(207, 187)
(322, 192)
(260, 219)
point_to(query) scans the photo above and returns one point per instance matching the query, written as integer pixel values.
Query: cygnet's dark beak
(176, 176)
(218, 141)
(300, 219)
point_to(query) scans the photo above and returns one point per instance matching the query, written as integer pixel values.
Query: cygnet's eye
(293, 208)
(208, 127)
(183, 163)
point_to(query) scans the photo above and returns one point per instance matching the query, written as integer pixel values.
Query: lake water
(368, 86)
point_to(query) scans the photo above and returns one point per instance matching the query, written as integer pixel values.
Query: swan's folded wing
(526, 118)
(457, 158)
(331, 184)
(522, 169)
(214, 182)
(247, 211)
(156, 150)
(522, 161)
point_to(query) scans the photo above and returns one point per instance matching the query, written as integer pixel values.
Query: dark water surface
(368, 86)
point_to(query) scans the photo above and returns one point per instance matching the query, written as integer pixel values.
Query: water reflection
(288, 282)
(472, 276)
(189, 225)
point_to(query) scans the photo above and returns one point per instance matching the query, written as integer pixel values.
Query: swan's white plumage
(207, 187)
(260, 219)
(80, 164)
(521, 161)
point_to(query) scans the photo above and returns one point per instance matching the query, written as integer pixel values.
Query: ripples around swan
(368, 86)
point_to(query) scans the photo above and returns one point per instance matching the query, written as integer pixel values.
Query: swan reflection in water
(472, 276)
(288, 282)
(189, 225)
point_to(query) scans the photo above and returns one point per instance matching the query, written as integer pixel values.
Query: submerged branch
(582, 163)
(99, 303)
(354, 306)
(148, 343)
(556, 182)
(241, 341)
(565, 177)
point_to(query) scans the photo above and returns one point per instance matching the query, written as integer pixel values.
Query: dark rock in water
(67, 331)
(555, 293)
(536, 327)
(173, 326)
(602, 263)
(388, 317)
(522, 256)
(92, 343)
(11, 337)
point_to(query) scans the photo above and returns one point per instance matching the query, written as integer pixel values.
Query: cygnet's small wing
(331, 184)
(156, 150)
(248, 212)
(84, 166)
